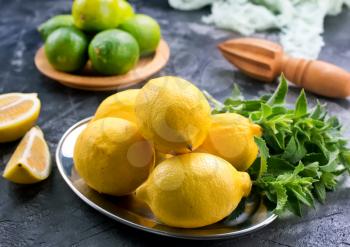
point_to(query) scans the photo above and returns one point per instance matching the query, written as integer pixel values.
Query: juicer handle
(317, 76)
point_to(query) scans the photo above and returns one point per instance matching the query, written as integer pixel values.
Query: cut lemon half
(18, 113)
(30, 163)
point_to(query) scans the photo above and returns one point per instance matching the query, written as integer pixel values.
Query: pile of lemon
(107, 32)
(162, 143)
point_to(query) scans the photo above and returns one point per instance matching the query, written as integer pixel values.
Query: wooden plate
(87, 79)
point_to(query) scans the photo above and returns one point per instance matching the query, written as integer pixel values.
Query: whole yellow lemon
(112, 157)
(231, 137)
(173, 114)
(194, 190)
(119, 105)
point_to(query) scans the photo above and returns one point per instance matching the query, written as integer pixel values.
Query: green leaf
(300, 167)
(319, 112)
(264, 155)
(301, 195)
(278, 97)
(301, 105)
(329, 180)
(282, 198)
(311, 170)
(236, 93)
(314, 157)
(266, 110)
(294, 151)
(332, 164)
(345, 158)
(302, 152)
(293, 204)
(278, 166)
(320, 191)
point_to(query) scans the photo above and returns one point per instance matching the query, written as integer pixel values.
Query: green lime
(113, 52)
(66, 49)
(126, 10)
(145, 30)
(95, 15)
(53, 23)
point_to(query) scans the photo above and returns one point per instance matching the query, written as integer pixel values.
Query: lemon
(95, 15)
(126, 10)
(66, 49)
(18, 113)
(161, 157)
(194, 190)
(46, 28)
(119, 105)
(173, 114)
(30, 163)
(112, 157)
(146, 31)
(231, 137)
(113, 52)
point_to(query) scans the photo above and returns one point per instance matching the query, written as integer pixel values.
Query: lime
(95, 15)
(126, 11)
(53, 23)
(146, 31)
(66, 49)
(113, 52)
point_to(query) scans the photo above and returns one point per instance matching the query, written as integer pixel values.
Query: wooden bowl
(87, 79)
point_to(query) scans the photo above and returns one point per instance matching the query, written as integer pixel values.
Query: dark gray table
(49, 214)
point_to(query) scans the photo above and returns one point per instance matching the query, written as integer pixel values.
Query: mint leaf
(320, 191)
(302, 152)
(301, 105)
(282, 198)
(236, 93)
(345, 157)
(319, 112)
(294, 151)
(293, 204)
(280, 94)
(264, 155)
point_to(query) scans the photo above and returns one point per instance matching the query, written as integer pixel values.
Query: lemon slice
(30, 163)
(18, 113)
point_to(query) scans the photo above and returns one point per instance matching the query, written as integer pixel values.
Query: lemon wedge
(30, 162)
(18, 113)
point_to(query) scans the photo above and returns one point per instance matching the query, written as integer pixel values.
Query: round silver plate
(251, 215)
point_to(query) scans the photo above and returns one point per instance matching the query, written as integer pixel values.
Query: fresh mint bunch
(302, 151)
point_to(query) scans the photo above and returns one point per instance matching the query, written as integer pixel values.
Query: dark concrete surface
(50, 214)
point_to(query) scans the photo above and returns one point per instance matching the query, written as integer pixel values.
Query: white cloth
(300, 21)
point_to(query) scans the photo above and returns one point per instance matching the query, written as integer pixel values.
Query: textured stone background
(49, 214)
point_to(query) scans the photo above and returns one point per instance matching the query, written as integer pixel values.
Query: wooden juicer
(265, 61)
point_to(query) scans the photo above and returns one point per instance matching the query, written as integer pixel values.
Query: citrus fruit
(173, 114)
(231, 137)
(113, 52)
(161, 156)
(194, 190)
(18, 113)
(30, 163)
(146, 31)
(66, 49)
(95, 15)
(112, 157)
(120, 105)
(126, 11)
(53, 23)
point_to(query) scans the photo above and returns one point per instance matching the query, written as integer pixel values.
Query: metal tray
(250, 216)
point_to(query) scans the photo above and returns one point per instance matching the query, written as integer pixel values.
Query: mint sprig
(302, 151)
